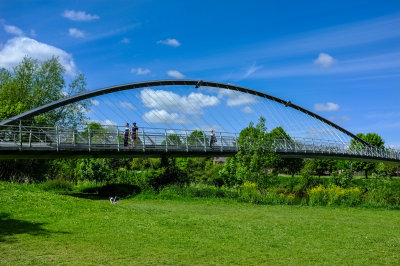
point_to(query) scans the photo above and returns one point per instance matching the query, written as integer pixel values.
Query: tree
(32, 84)
(29, 85)
(321, 166)
(196, 138)
(255, 157)
(373, 139)
(173, 140)
(291, 165)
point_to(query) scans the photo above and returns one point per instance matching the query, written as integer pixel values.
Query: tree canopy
(33, 83)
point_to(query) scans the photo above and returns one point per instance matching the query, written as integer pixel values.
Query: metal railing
(26, 138)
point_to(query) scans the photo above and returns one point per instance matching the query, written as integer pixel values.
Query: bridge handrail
(31, 137)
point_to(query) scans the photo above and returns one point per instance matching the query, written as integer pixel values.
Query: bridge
(311, 136)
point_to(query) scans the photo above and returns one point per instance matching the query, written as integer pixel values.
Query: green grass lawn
(38, 227)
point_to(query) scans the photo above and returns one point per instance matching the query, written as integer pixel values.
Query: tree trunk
(366, 174)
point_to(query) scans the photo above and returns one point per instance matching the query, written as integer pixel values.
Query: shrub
(334, 195)
(58, 185)
(382, 192)
(342, 179)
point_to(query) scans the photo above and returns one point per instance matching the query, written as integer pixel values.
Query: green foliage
(320, 167)
(389, 170)
(58, 185)
(32, 84)
(94, 169)
(173, 140)
(373, 139)
(196, 138)
(334, 195)
(29, 85)
(343, 179)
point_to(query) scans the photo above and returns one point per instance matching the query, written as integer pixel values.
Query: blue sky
(340, 59)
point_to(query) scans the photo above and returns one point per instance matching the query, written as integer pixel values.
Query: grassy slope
(38, 227)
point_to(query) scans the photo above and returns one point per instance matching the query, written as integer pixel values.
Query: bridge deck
(50, 143)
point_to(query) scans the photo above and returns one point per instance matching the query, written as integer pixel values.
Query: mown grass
(39, 227)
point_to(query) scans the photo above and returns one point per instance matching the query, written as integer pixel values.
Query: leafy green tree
(94, 169)
(196, 138)
(291, 165)
(373, 139)
(32, 84)
(173, 140)
(29, 85)
(255, 158)
(321, 166)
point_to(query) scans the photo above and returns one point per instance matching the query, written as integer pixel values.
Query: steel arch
(177, 82)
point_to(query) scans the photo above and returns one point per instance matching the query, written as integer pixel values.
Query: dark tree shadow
(9, 227)
(83, 195)
(106, 191)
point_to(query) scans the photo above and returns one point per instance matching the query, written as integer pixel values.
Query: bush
(334, 195)
(382, 193)
(342, 179)
(58, 185)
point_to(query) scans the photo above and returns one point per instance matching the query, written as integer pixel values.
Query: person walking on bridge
(213, 139)
(126, 135)
(135, 133)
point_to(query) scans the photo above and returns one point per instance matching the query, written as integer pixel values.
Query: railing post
(205, 144)
(187, 144)
(236, 143)
(118, 138)
(20, 135)
(73, 137)
(284, 140)
(166, 141)
(313, 146)
(57, 137)
(222, 144)
(90, 137)
(143, 141)
(30, 138)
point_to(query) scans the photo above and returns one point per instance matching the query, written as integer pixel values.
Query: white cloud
(170, 42)
(79, 15)
(324, 60)
(17, 48)
(236, 98)
(32, 33)
(247, 110)
(13, 30)
(125, 40)
(127, 105)
(76, 33)
(140, 71)
(175, 74)
(251, 70)
(108, 122)
(163, 117)
(95, 102)
(326, 106)
(167, 100)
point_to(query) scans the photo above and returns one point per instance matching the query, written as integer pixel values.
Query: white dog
(114, 200)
